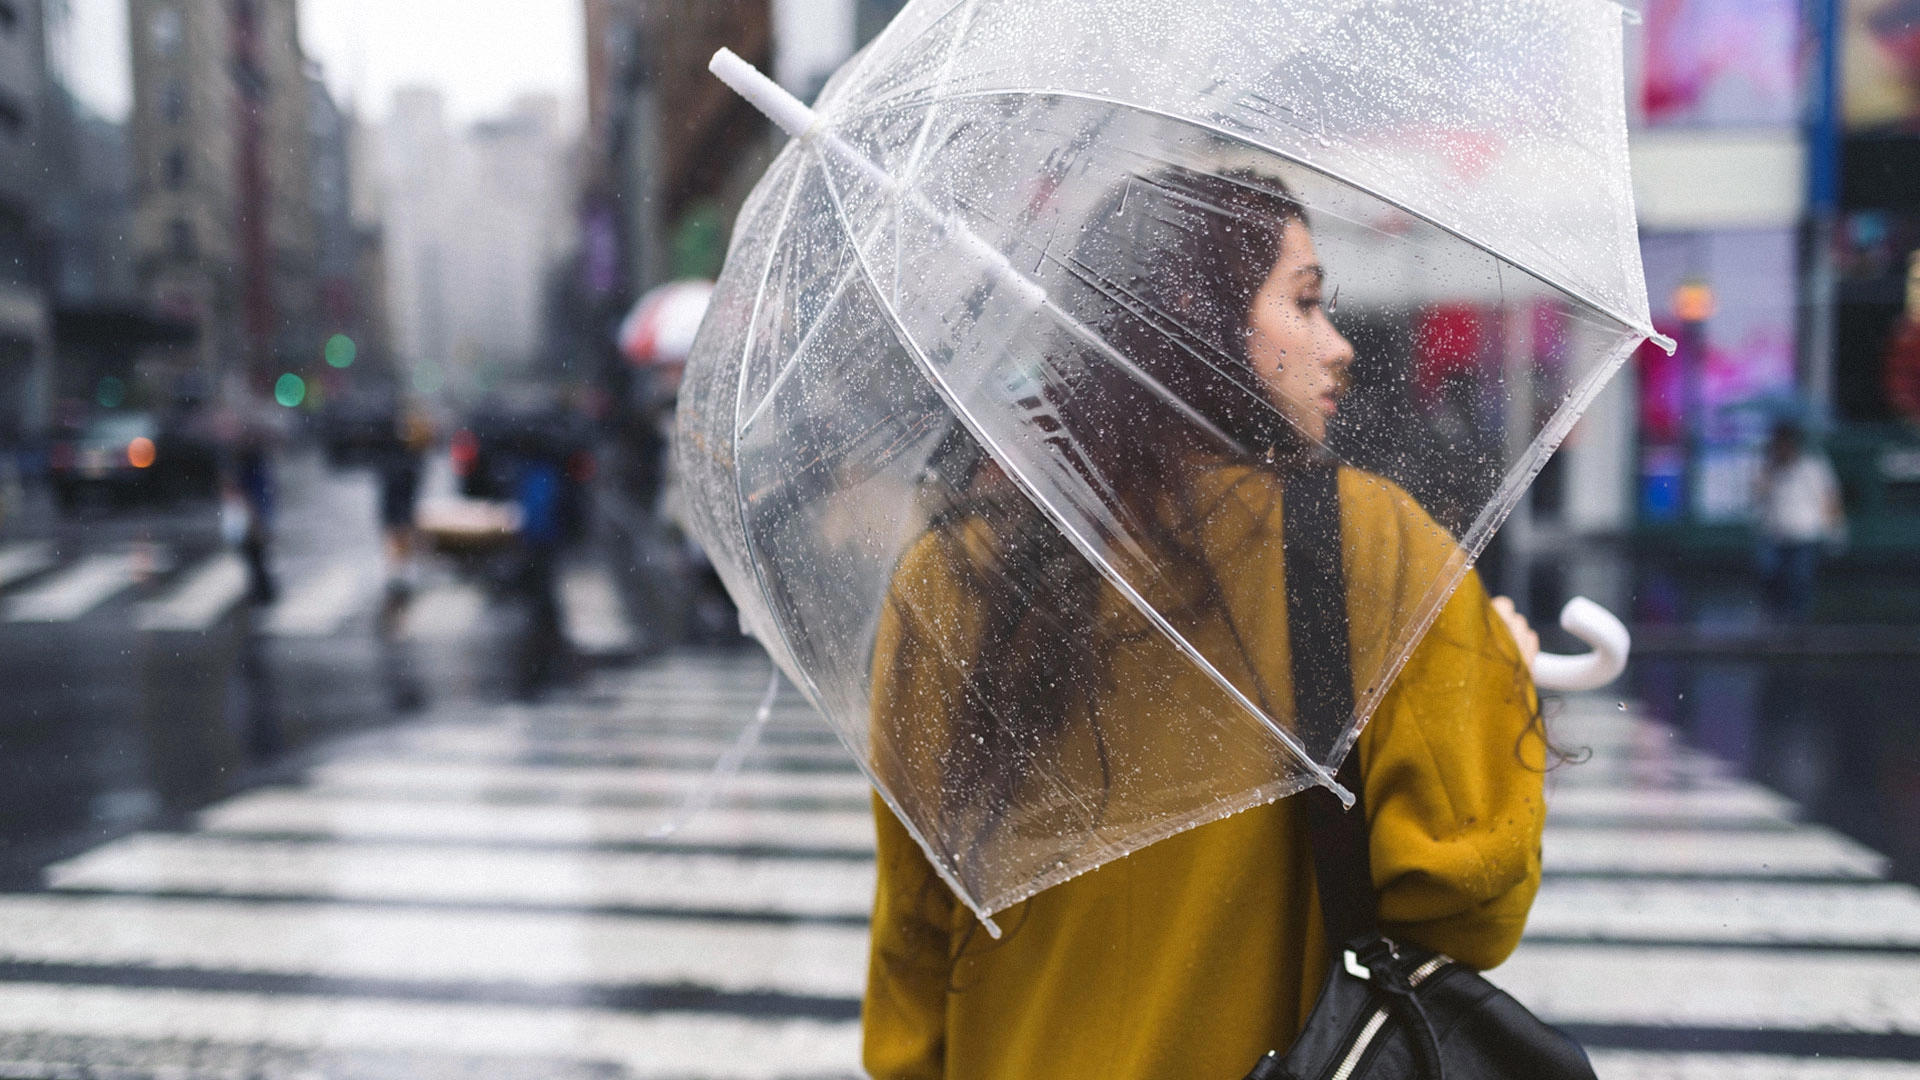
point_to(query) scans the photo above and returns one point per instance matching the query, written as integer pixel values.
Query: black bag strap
(1322, 674)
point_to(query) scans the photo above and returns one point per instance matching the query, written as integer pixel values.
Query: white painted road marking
(395, 872)
(459, 777)
(319, 606)
(359, 942)
(1725, 988)
(596, 619)
(23, 560)
(202, 598)
(443, 613)
(1809, 851)
(1741, 912)
(305, 813)
(669, 1047)
(74, 591)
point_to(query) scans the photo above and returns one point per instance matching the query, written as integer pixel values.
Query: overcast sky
(480, 53)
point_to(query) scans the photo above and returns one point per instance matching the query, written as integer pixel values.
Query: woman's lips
(1328, 403)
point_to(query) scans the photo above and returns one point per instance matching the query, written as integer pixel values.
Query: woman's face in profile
(1291, 341)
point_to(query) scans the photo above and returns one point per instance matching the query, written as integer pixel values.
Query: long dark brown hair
(1166, 273)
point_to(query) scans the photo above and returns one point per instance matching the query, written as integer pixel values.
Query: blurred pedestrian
(1800, 516)
(400, 467)
(538, 489)
(251, 487)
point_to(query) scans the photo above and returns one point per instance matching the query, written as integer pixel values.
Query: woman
(1197, 954)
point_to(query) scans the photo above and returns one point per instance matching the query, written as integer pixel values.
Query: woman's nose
(1339, 354)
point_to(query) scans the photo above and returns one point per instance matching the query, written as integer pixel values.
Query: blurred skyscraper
(225, 233)
(25, 314)
(473, 220)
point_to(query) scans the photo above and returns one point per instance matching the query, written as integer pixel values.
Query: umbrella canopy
(1019, 342)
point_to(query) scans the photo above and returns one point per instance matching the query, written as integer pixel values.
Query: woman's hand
(1523, 634)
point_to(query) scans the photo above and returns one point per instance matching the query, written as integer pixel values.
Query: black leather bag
(1389, 1010)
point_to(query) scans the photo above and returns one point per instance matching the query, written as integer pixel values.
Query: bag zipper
(1379, 1020)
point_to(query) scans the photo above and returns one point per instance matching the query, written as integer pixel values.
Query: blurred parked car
(489, 451)
(126, 457)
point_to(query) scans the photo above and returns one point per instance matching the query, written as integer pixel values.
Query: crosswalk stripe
(303, 812)
(1715, 987)
(201, 599)
(1755, 913)
(646, 1046)
(23, 560)
(358, 942)
(596, 620)
(501, 743)
(469, 778)
(213, 864)
(73, 591)
(443, 613)
(1630, 1065)
(319, 606)
(1736, 804)
(1805, 852)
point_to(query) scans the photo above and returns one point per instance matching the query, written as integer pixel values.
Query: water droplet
(1623, 706)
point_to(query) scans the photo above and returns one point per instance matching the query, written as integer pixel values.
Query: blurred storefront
(1876, 341)
(1721, 164)
(1775, 145)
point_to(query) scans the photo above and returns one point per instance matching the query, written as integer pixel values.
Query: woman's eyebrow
(1314, 270)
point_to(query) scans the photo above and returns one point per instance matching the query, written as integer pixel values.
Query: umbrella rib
(760, 293)
(1085, 547)
(792, 365)
(1644, 329)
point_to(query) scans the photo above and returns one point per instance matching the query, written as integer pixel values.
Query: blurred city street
(479, 891)
(370, 710)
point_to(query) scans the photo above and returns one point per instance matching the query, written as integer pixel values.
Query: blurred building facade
(25, 310)
(670, 152)
(225, 234)
(472, 220)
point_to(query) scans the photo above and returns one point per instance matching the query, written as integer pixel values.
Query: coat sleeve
(1454, 764)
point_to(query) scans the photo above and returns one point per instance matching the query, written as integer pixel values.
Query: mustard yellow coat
(1194, 956)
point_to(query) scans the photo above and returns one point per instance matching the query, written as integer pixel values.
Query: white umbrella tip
(789, 112)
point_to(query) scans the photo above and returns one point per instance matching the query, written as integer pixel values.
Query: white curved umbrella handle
(1597, 627)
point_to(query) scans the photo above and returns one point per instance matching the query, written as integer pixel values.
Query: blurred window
(181, 239)
(13, 118)
(173, 104)
(176, 169)
(9, 17)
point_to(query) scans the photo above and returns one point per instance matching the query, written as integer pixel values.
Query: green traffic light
(341, 350)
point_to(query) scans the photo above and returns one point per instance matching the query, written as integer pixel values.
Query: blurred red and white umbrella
(659, 331)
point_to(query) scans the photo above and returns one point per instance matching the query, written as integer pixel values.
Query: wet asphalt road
(106, 726)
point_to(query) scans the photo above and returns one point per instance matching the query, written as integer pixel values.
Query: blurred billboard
(1721, 63)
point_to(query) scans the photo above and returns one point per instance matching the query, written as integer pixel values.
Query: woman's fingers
(1523, 633)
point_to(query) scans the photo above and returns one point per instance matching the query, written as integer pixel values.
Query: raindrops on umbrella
(990, 423)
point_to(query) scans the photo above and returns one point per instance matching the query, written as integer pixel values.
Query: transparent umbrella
(1023, 338)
